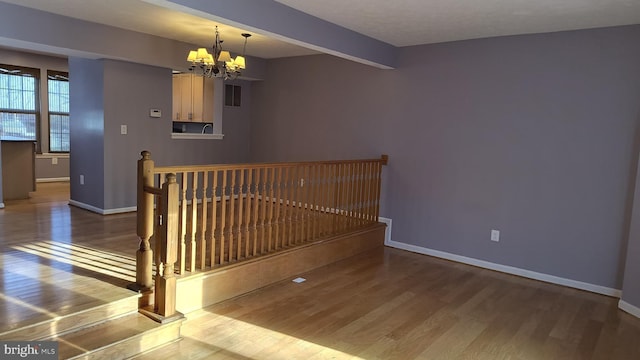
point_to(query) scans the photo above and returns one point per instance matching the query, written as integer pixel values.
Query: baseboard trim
(631, 309)
(102, 211)
(508, 269)
(387, 232)
(58, 179)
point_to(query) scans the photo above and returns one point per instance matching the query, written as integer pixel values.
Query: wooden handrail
(184, 168)
(208, 216)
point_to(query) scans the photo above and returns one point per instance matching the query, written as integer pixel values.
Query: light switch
(123, 129)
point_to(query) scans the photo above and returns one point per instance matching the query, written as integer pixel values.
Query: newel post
(144, 255)
(167, 249)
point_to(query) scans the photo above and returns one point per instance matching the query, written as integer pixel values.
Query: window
(232, 95)
(19, 110)
(58, 90)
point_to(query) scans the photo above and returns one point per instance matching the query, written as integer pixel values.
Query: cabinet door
(182, 97)
(186, 101)
(197, 98)
(177, 97)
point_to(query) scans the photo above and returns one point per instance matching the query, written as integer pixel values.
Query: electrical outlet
(54, 161)
(495, 235)
(81, 179)
(123, 129)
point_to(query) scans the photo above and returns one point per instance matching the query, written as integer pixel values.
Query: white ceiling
(397, 22)
(413, 22)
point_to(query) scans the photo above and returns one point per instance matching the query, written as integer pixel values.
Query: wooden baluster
(317, 207)
(317, 201)
(270, 216)
(214, 216)
(247, 219)
(336, 197)
(286, 209)
(308, 200)
(203, 223)
(284, 192)
(315, 175)
(145, 224)
(292, 187)
(296, 204)
(339, 206)
(367, 211)
(240, 213)
(299, 175)
(304, 186)
(278, 205)
(232, 213)
(165, 299)
(347, 194)
(312, 202)
(263, 211)
(335, 175)
(323, 199)
(328, 198)
(372, 185)
(352, 193)
(223, 216)
(193, 218)
(256, 205)
(376, 184)
(183, 222)
(360, 193)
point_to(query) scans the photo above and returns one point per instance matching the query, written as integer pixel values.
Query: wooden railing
(207, 216)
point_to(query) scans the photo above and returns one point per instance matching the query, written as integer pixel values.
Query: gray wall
(128, 91)
(45, 169)
(532, 135)
(86, 129)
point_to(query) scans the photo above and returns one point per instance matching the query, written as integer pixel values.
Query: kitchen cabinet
(192, 98)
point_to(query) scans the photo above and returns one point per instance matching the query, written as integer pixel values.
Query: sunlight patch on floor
(256, 342)
(83, 257)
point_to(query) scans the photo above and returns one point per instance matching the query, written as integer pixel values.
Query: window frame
(35, 74)
(64, 75)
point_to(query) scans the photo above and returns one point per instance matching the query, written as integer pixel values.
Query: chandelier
(219, 63)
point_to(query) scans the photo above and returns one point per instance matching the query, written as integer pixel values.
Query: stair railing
(206, 216)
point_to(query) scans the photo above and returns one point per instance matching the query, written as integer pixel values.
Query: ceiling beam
(270, 18)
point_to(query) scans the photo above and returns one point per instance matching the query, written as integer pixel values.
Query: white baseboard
(101, 211)
(631, 309)
(387, 232)
(508, 269)
(59, 179)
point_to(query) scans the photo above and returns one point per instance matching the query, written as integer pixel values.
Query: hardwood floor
(56, 259)
(384, 304)
(391, 304)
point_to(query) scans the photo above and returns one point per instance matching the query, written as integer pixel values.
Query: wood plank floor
(386, 304)
(392, 304)
(56, 259)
